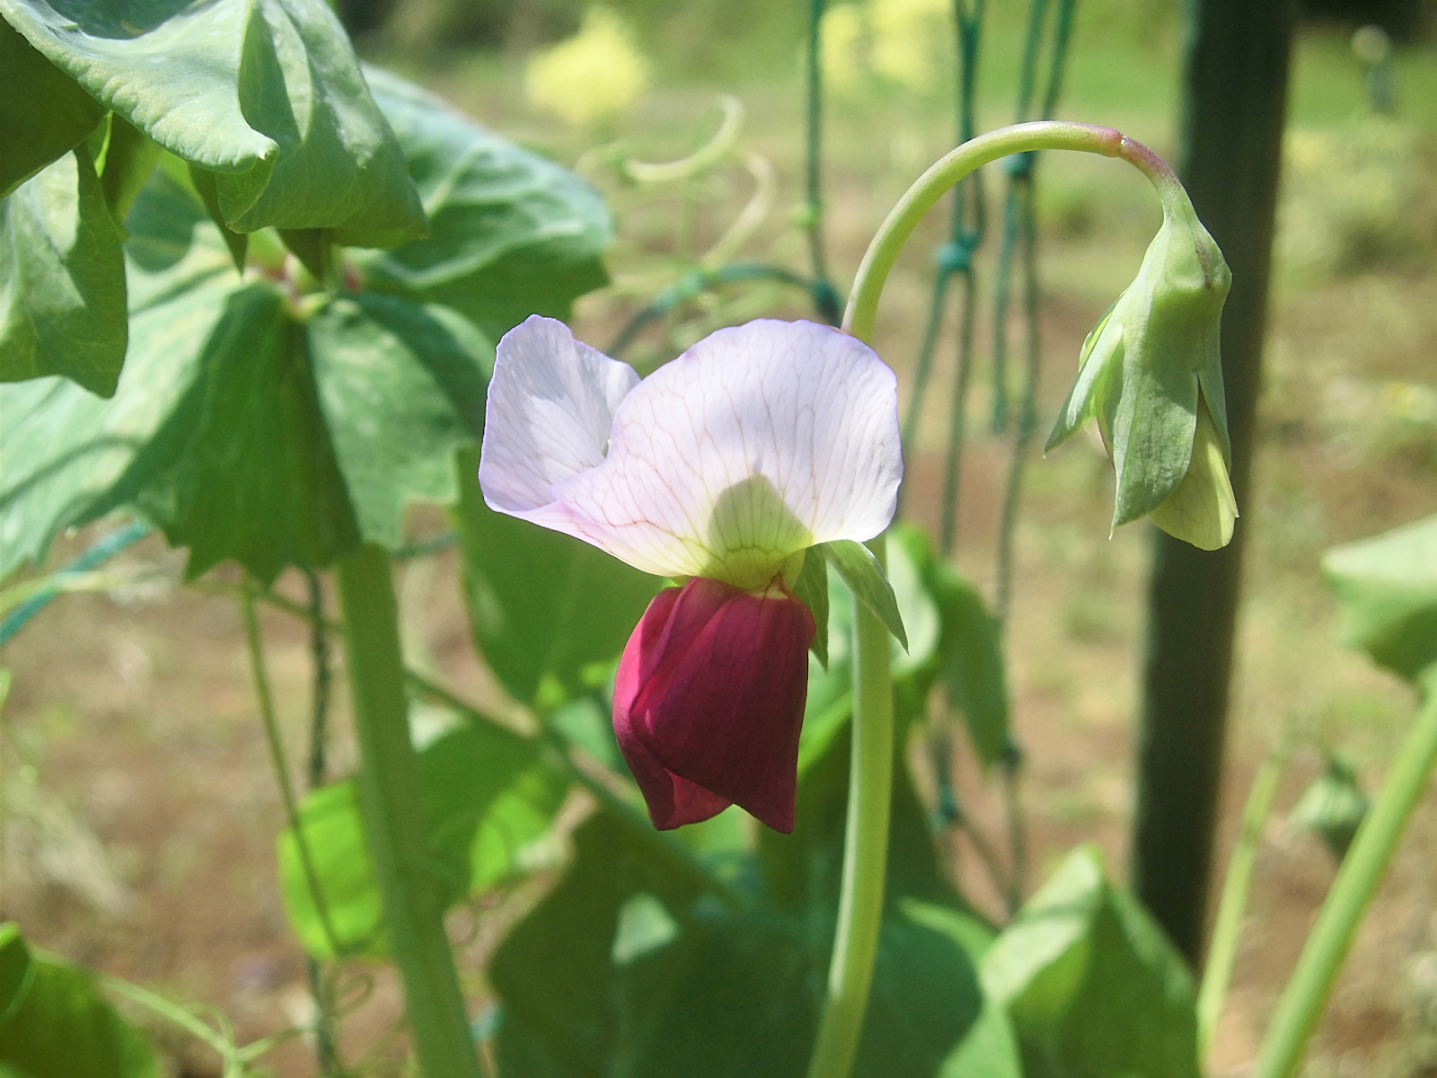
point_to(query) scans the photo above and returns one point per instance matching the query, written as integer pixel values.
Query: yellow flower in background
(844, 47)
(907, 36)
(591, 76)
(907, 42)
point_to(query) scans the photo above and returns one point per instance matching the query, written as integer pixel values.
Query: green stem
(1322, 956)
(1227, 931)
(392, 809)
(255, 646)
(929, 188)
(865, 856)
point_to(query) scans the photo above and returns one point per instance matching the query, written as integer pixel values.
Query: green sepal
(205, 186)
(811, 588)
(313, 247)
(129, 159)
(861, 572)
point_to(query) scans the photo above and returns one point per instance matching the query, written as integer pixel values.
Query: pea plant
(263, 298)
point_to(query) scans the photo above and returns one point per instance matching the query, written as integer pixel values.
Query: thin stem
(392, 810)
(277, 760)
(324, 1046)
(873, 273)
(813, 211)
(948, 532)
(1227, 932)
(1027, 409)
(1017, 833)
(4, 808)
(865, 848)
(1322, 955)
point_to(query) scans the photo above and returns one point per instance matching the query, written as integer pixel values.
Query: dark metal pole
(1235, 88)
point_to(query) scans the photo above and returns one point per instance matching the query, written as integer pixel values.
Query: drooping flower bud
(1151, 375)
(709, 699)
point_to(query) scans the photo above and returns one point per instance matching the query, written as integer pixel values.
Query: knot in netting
(956, 256)
(1020, 165)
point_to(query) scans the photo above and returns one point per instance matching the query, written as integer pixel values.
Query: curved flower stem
(1322, 955)
(865, 856)
(930, 187)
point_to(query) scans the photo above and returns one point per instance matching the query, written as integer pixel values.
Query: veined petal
(549, 413)
(758, 442)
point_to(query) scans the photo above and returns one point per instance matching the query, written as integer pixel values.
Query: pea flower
(719, 470)
(1151, 374)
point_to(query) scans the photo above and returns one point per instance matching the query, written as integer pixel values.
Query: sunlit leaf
(631, 966)
(1387, 588)
(16, 969)
(1091, 984)
(265, 94)
(512, 234)
(63, 1028)
(486, 795)
(62, 279)
(43, 114)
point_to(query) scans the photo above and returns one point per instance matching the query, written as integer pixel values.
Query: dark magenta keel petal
(708, 703)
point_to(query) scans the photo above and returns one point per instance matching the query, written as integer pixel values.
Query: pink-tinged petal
(548, 418)
(758, 442)
(708, 703)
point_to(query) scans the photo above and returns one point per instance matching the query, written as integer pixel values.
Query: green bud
(1151, 375)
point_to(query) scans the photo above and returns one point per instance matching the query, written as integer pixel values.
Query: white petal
(550, 409)
(757, 442)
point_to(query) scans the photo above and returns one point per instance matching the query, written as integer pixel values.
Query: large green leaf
(266, 94)
(1387, 588)
(631, 969)
(63, 1028)
(401, 387)
(544, 607)
(512, 234)
(42, 112)
(1093, 987)
(62, 279)
(243, 431)
(486, 795)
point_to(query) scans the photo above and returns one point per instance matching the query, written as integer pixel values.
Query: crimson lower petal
(708, 703)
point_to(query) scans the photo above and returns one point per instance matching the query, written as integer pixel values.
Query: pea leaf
(62, 280)
(486, 794)
(512, 234)
(633, 966)
(1387, 589)
(265, 94)
(64, 1028)
(43, 114)
(243, 432)
(1091, 984)
(401, 388)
